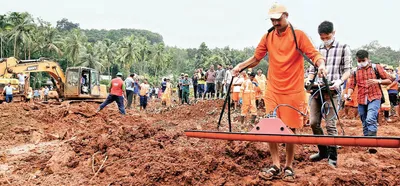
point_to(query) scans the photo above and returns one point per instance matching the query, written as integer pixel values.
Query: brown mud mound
(71, 145)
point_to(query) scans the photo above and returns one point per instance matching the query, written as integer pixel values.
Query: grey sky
(219, 23)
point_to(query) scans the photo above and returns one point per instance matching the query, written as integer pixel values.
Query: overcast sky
(219, 23)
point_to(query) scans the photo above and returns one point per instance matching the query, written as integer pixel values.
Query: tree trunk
(156, 71)
(25, 51)
(1, 46)
(15, 46)
(29, 51)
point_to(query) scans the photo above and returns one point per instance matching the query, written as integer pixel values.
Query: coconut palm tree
(50, 41)
(4, 28)
(73, 46)
(158, 58)
(128, 53)
(144, 51)
(90, 58)
(108, 53)
(23, 26)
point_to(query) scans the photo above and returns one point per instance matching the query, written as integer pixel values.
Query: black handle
(227, 100)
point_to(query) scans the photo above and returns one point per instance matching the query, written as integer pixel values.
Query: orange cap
(276, 11)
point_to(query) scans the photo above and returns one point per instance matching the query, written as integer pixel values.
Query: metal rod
(229, 109)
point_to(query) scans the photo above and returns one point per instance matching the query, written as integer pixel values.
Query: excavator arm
(11, 66)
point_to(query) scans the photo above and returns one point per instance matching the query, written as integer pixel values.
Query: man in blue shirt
(135, 91)
(36, 95)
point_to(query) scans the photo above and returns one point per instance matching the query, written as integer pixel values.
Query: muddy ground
(46, 144)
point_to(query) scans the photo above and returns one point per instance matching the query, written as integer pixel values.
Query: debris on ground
(60, 144)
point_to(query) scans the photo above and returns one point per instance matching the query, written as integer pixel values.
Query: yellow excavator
(77, 84)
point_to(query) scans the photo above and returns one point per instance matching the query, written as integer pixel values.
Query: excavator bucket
(273, 130)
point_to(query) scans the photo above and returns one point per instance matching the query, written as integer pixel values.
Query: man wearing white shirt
(228, 77)
(237, 83)
(21, 79)
(8, 90)
(129, 90)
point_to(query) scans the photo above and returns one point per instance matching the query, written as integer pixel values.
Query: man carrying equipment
(285, 80)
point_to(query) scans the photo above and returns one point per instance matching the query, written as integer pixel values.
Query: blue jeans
(111, 98)
(369, 116)
(200, 89)
(9, 98)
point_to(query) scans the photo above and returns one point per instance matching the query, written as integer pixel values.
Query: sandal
(272, 173)
(288, 175)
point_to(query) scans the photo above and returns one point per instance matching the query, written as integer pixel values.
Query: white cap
(276, 11)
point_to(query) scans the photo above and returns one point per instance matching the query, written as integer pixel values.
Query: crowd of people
(134, 91)
(40, 94)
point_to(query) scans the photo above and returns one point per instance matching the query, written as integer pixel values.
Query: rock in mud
(61, 158)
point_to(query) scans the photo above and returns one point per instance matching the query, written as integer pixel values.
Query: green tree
(5, 27)
(73, 45)
(128, 53)
(108, 54)
(50, 42)
(21, 33)
(65, 25)
(203, 53)
(89, 57)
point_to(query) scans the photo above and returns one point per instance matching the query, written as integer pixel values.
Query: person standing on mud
(228, 78)
(339, 64)
(36, 95)
(29, 95)
(129, 90)
(237, 83)
(135, 91)
(185, 89)
(144, 89)
(163, 85)
(180, 87)
(247, 94)
(46, 93)
(22, 78)
(201, 83)
(369, 91)
(117, 90)
(262, 80)
(393, 91)
(210, 80)
(219, 81)
(8, 92)
(195, 78)
(166, 96)
(285, 81)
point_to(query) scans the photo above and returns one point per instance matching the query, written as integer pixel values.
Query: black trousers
(129, 95)
(195, 91)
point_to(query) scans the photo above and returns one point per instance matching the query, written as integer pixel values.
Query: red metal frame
(275, 131)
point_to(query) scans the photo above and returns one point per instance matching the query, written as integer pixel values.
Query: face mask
(363, 64)
(328, 42)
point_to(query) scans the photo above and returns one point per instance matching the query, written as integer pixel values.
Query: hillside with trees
(126, 50)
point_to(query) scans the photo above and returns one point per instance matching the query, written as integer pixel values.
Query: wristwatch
(380, 81)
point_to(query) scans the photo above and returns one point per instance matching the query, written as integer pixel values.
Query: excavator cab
(83, 83)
